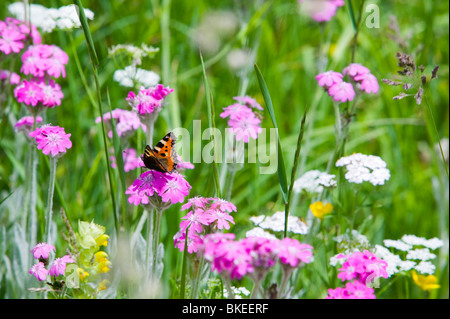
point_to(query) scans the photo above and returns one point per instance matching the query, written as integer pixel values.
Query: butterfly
(162, 157)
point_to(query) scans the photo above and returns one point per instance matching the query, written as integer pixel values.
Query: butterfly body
(162, 157)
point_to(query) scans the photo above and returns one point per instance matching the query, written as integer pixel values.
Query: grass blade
(94, 63)
(281, 168)
(294, 168)
(212, 124)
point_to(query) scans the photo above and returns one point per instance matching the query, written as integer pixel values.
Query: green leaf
(281, 168)
(212, 124)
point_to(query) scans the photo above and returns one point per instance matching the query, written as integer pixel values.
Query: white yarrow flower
(397, 244)
(364, 168)
(422, 254)
(425, 267)
(259, 232)
(48, 19)
(314, 181)
(131, 75)
(276, 223)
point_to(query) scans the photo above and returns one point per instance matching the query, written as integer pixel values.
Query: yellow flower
(425, 282)
(104, 265)
(320, 210)
(102, 285)
(102, 240)
(83, 274)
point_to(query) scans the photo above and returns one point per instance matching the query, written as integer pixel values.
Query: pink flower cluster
(58, 267)
(242, 120)
(252, 256)
(13, 77)
(52, 139)
(205, 215)
(130, 160)
(148, 101)
(44, 59)
(341, 91)
(38, 92)
(321, 10)
(360, 269)
(13, 34)
(25, 124)
(126, 122)
(169, 188)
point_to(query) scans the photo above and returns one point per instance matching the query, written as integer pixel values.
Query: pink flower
(219, 218)
(193, 243)
(327, 79)
(182, 165)
(355, 69)
(26, 123)
(51, 93)
(293, 253)
(361, 266)
(39, 271)
(357, 290)
(342, 92)
(249, 101)
(195, 202)
(11, 41)
(171, 188)
(130, 160)
(235, 110)
(29, 92)
(42, 250)
(321, 10)
(352, 268)
(195, 221)
(42, 59)
(127, 122)
(338, 293)
(52, 139)
(148, 101)
(13, 77)
(245, 126)
(58, 266)
(262, 250)
(368, 83)
(222, 204)
(175, 189)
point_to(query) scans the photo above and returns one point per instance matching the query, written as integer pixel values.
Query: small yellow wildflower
(102, 240)
(103, 263)
(82, 273)
(102, 285)
(425, 282)
(320, 210)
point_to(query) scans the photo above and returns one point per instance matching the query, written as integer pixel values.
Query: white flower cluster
(276, 223)
(417, 258)
(239, 292)
(136, 53)
(132, 76)
(364, 168)
(259, 232)
(314, 181)
(48, 19)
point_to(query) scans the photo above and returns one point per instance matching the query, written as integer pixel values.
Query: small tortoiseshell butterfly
(162, 157)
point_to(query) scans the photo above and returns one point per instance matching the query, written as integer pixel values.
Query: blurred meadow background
(291, 49)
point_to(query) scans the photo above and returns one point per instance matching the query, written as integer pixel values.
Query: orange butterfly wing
(162, 157)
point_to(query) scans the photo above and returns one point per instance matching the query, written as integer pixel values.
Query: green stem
(51, 190)
(149, 241)
(284, 280)
(198, 275)
(156, 241)
(436, 132)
